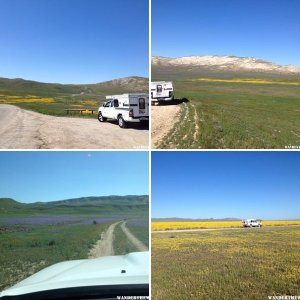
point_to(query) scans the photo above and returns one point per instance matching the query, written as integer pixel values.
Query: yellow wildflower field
(19, 99)
(155, 226)
(248, 80)
(226, 264)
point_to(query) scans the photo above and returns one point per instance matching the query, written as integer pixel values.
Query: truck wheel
(121, 122)
(101, 118)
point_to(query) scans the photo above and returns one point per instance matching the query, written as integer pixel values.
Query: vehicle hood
(127, 269)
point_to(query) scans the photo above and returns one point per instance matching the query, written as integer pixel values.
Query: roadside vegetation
(213, 224)
(235, 113)
(26, 249)
(56, 106)
(239, 264)
(139, 228)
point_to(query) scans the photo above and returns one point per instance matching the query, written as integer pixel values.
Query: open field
(155, 226)
(26, 249)
(235, 113)
(227, 264)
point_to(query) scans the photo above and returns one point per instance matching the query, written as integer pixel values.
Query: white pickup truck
(125, 108)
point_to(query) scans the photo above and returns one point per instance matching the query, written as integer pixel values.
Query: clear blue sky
(226, 184)
(56, 175)
(267, 29)
(73, 41)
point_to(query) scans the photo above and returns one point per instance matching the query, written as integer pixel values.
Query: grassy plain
(235, 112)
(239, 264)
(26, 249)
(213, 224)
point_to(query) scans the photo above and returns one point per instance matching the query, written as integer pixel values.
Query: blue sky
(57, 175)
(78, 41)
(226, 184)
(267, 29)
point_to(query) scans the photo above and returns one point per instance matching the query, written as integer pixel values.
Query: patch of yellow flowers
(156, 226)
(248, 80)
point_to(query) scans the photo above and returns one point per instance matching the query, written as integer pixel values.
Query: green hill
(55, 98)
(130, 204)
(21, 87)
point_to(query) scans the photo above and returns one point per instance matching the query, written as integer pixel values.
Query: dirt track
(136, 242)
(104, 246)
(163, 118)
(22, 129)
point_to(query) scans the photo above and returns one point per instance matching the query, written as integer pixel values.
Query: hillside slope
(87, 205)
(220, 65)
(20, 86)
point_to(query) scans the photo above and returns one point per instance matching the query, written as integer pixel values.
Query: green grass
(122, 245)
(141, 232)
(235, 115)
(27, 249)
(227, 264)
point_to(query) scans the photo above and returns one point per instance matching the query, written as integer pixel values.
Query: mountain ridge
(80, 200)
(225, 63)
(118, 85)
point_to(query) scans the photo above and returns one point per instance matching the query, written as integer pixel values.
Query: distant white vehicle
(162, 91)
(125, 108)
(99, 278)
(251, 223)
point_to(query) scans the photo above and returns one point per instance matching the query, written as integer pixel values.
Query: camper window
(116, 103)
(142, 103)
(159, 88)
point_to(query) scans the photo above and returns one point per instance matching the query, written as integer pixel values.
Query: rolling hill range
(20, 86)
(105, 205)
(220, 66)
(55, 99)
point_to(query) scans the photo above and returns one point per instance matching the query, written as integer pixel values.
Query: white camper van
(251, 223)
(161, 91)
(125, 108)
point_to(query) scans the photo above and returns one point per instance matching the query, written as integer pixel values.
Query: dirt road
(22, 129)
(163, 118)
(104, 247)
(214, 229)
(136, 242)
